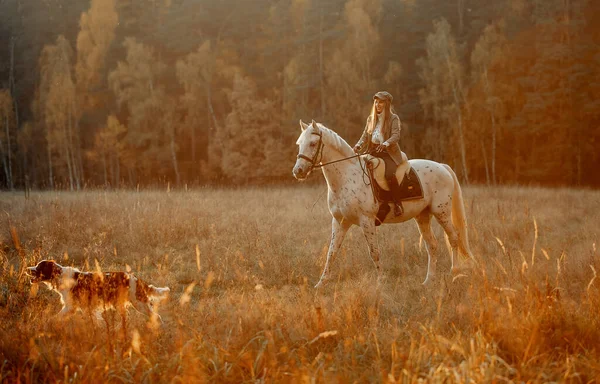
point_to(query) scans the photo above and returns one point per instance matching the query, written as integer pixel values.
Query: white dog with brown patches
(97, 292)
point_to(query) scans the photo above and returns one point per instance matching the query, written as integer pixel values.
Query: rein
(319, 153)
(336, 161)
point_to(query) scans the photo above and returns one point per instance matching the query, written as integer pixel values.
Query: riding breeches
(390, 171)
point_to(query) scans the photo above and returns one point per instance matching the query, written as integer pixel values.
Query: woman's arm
(394, 132)
(364, 136)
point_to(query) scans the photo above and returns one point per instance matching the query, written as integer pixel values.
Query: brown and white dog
(97, 292)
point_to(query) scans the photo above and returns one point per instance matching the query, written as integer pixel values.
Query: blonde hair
(387, 114)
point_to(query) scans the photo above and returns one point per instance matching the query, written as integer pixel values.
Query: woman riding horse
(381, 136)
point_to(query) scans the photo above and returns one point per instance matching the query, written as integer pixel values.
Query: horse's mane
(338, 141)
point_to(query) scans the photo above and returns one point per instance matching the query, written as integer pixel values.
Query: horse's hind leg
(424, 222)
(444, 217)
(338, 232)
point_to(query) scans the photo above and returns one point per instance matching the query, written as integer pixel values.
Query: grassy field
(241, 265)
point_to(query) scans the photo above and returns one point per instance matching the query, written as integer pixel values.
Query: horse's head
(310, 149)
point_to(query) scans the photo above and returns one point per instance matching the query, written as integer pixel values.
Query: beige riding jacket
(391, 135)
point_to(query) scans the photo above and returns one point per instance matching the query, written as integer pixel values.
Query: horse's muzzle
(300, 172)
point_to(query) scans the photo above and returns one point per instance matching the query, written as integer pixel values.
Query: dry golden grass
(241, 265)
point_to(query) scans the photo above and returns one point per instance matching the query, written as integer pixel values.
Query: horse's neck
(343, 172)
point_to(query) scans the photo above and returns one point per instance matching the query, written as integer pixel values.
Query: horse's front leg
(370, 231)
(338, 232)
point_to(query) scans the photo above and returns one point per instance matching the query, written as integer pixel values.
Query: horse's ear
(314, 124)
(303, 125)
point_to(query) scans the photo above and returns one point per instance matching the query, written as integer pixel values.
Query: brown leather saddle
(410, 189)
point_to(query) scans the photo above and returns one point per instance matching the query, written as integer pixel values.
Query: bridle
(315, 161)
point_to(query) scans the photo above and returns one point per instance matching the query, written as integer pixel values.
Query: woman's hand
(381, 148)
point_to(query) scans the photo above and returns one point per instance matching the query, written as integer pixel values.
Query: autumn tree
(551, 101)
(306, 32)
(350, 75)
(108, 147)
(489, 51)
(7, 134)
(510, 101)
(195, 73)
(170, 126)
(27, 141)
(253, 143)
(443, 96)
(97, 32)
(58, 104)
(150, 133)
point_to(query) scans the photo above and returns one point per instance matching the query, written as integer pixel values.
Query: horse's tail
(459, 218)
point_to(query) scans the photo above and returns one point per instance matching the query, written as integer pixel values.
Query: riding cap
(383, 95)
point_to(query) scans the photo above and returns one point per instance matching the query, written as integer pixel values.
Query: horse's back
(434, 176)
(423, 166)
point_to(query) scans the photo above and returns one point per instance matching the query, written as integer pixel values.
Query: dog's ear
(48, 269)
(56, 270)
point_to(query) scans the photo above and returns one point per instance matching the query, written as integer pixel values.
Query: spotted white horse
(351, 200)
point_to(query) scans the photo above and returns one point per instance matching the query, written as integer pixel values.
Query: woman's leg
(390, 177)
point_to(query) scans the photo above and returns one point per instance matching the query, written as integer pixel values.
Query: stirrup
(398, 209)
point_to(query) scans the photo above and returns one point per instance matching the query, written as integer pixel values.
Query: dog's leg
(65, 311)
(123, 313)
(97, 317)
(148, 310)
(154, 313)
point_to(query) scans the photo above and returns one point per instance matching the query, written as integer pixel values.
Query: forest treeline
(129, 92)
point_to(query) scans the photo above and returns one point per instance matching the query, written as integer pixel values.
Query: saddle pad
(409, 189)
(411, 186)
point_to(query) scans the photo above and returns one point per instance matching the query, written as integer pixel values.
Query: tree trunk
(4, 163)
(214, 124)
(75, 147)
(69, 149)
(9, 180)
(174, 154)
(460, 8)
(111, 159)
(78, 152)
(494, 181)
(11, 84)
(50, 173)
(11, 79)
(489, 93)
(485, 162)
(104, 168)
(463, 155)
(131, 176)
(209, 104)
(116, 158)
(456, 83)
(579, 157)
(25, 165)
(70, 168)
(193, 139)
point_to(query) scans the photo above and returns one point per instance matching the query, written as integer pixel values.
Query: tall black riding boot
(395, 188)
